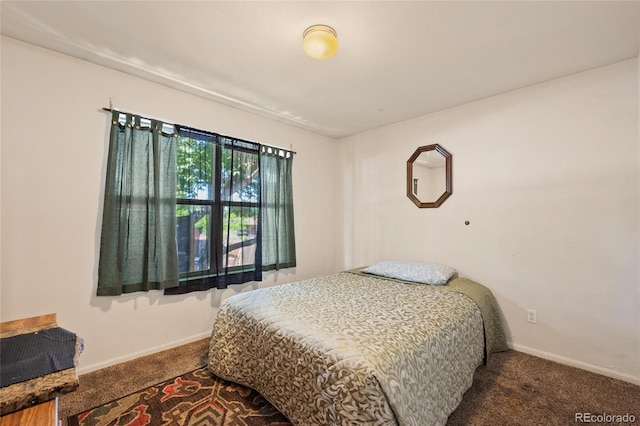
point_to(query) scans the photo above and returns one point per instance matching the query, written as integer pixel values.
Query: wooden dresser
(45, 414)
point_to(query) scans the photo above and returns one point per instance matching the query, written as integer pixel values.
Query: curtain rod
(110, 109)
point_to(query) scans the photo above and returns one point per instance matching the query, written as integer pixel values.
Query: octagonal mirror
(429, 176)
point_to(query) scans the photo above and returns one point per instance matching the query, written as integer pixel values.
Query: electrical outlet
(531, 315)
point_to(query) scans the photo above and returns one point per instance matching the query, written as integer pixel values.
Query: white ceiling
(396, 61)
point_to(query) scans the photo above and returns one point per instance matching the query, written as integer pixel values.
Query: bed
(356, 348)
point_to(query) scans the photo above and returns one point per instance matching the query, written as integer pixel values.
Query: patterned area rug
(195, 398)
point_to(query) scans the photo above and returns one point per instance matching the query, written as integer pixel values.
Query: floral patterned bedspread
(350, 349)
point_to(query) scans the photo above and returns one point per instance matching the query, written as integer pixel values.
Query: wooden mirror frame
(448, 166)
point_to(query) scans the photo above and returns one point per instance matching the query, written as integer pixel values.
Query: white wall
(548, 177)
(54, 148)
(638, 189)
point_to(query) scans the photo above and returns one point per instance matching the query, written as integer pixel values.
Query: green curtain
(138, 246)
(276, 203)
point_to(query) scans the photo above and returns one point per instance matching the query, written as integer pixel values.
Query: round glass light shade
(320, 42)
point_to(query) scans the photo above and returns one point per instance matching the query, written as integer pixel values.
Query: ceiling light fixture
(320, 42)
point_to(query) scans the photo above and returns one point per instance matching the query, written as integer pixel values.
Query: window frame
(217, 205)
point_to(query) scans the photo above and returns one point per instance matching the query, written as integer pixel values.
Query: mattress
(351, 348)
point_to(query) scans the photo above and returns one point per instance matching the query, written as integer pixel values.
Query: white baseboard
(575, 363)
(535, 352)
(93, 367)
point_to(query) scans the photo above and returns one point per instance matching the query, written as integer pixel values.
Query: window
(217, 210)
(188, 210)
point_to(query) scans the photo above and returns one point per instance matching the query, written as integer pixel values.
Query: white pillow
(419, 272)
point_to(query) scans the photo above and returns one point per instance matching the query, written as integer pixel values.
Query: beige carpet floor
(513, 389)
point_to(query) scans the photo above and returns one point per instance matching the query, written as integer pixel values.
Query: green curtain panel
(138, 246)
(278, 236)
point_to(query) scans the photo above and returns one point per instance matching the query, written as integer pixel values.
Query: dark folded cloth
(27, 356)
